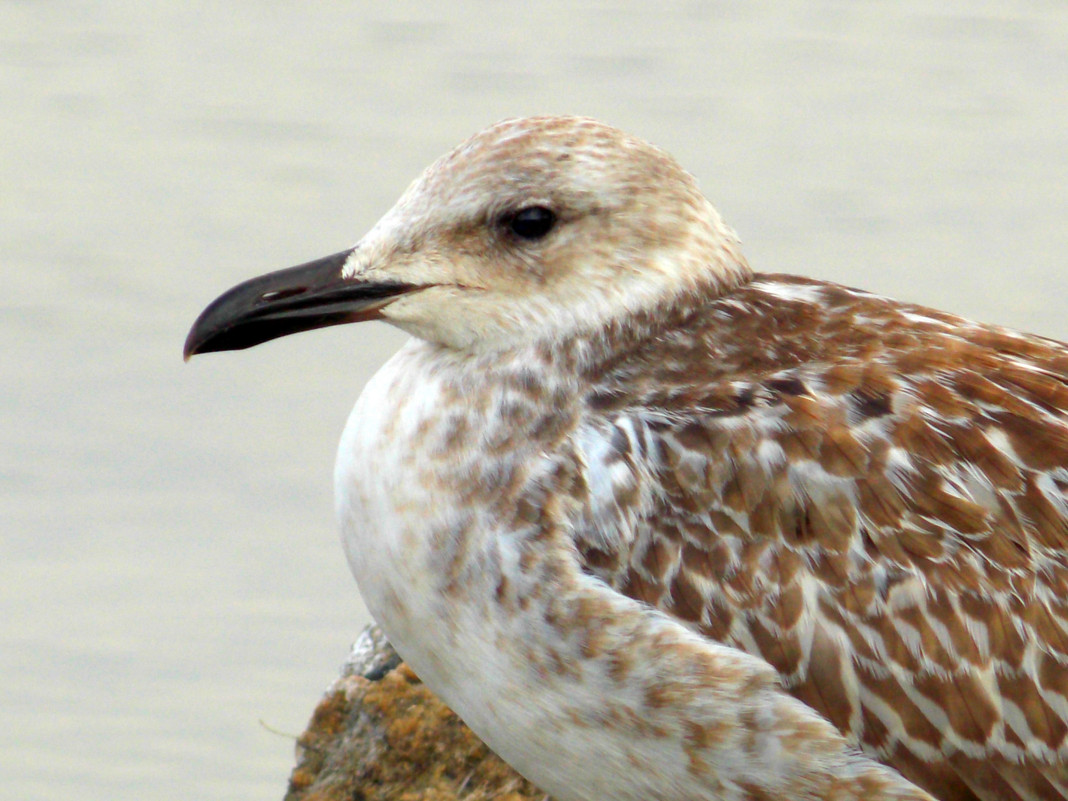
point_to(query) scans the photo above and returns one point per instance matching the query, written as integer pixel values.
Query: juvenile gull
(658, 527)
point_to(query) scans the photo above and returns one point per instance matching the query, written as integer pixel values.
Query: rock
(379, 734)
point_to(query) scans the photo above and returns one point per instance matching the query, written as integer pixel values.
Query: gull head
(533, 229)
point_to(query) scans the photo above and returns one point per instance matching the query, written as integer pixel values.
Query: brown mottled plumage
(658, 527)
(874, 501)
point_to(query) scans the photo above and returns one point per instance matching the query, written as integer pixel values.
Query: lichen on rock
(379, 734)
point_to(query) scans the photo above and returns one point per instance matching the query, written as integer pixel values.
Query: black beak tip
(311, 295)
(192, 342)
(236, 319)
(207, 330)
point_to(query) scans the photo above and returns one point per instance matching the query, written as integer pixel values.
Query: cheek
(448, 315)
(426, 304)
(582, 259)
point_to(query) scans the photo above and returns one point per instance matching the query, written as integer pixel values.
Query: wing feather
(871, 496)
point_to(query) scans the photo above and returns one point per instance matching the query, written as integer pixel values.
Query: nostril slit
(279, 294)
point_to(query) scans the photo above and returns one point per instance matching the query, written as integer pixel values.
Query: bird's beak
(312, 295)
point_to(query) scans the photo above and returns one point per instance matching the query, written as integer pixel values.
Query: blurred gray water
(169, 571)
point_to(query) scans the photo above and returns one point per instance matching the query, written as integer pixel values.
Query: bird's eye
(532, 223)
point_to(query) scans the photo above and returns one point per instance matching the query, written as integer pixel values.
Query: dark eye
(533, 222)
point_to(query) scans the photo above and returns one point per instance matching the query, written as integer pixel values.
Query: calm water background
(169, 571)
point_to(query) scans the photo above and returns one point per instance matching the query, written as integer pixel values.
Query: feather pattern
(869, 495)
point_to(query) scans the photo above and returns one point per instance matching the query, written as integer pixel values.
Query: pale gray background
(169, 571)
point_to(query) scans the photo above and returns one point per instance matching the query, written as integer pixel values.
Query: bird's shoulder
(790, 393)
